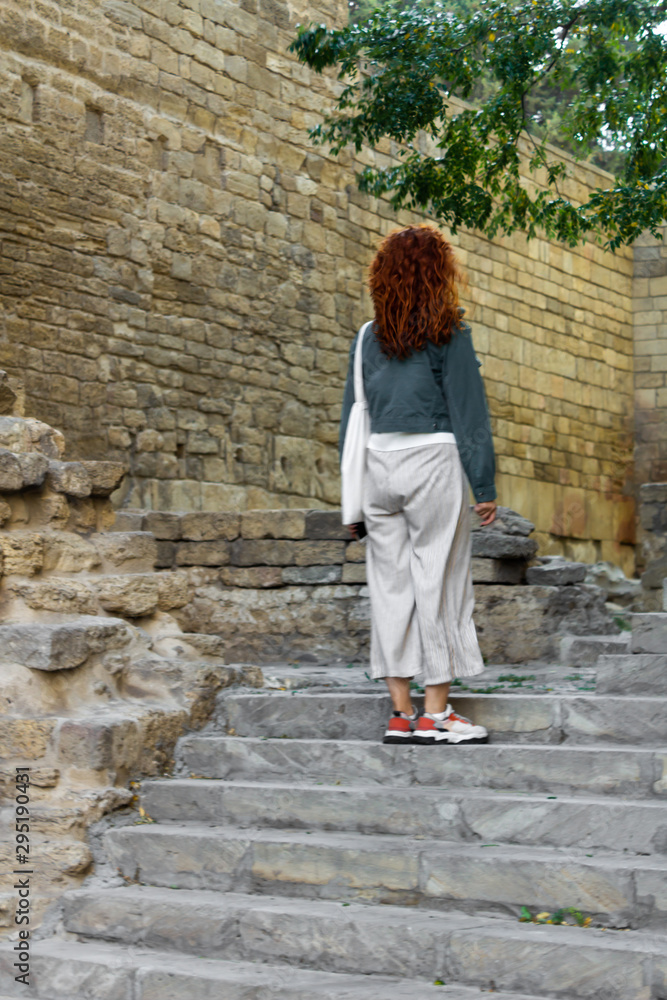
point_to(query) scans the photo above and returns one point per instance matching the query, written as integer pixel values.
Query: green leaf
(577, 914)
(590, 74)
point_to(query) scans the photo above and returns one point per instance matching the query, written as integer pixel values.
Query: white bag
(357, 433)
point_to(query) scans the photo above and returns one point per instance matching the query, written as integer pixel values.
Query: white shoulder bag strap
(359, 391)
(353, 461)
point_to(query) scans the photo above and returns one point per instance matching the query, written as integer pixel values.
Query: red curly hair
(414, 283)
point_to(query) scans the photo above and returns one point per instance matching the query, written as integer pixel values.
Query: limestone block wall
(650, 329)
(282, 584)
(181, 273)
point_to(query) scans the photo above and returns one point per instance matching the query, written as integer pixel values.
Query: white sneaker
(448, 727)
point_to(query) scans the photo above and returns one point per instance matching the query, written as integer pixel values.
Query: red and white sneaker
(400, 727)
(448, 727)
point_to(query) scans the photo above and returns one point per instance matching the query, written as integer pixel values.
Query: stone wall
(182, 272)
(88, 700)
(652, 548)
(276, 585)
(650, 326)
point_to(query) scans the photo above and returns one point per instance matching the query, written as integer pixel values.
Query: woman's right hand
(487, 511)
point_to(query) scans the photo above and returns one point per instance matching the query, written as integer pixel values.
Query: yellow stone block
(569, 515)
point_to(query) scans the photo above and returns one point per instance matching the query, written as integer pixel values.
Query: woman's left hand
(487, 511)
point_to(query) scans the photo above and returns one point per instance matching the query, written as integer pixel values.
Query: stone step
(583, 650)
(26, 552)
(554, 770)
(84, 479)
(106, 738)
(76, 970)
(488, 878)
(130, 551)
(62, 856)
(510, 718)
(632, 673)
(29, 469)
(536, 677)
(193, 644)
(465, 815)
(371, 940)
(131, 594)
(616, 673)
(649, 633)
(61, 645)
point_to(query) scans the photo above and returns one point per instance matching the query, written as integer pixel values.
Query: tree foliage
(544, 103)
(605, 59)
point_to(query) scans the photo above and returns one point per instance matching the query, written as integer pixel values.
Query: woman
(429, 431)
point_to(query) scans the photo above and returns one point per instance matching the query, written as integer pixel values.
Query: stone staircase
(293, 855)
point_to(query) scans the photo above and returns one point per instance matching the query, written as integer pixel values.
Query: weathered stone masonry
(181, 274)
(278, 584)
(650, 330)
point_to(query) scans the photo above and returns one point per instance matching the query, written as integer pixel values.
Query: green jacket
(436, 389)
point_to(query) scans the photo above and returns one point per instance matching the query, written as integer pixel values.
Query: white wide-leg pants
(416, 510)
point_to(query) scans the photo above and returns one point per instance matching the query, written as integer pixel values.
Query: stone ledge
(267, 552)
(308, 537)
(132, 595)
(11, 476)
(61, 646)
(105, 477)
(636, 673)
(495, 545)
(34, 467)
(260, 530)
(507, 571)
(353, 571)
(70, 478)
(507, 522)
(21, 471)
(281, 525)
(271, 621)
(557, 572)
